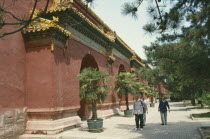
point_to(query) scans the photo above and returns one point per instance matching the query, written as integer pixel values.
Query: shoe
(141, 128)
(165, 124)
(162, 124)
(136, 129)
(143, 125)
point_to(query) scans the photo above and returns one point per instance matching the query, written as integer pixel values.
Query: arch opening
(87, 61)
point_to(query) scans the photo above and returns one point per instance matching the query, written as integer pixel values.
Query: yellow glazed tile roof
(44, 24)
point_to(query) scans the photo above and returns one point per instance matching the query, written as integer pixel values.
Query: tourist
(163, 110)
(144, 112)
(138, 105)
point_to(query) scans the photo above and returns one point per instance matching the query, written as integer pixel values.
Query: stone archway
(87, 61)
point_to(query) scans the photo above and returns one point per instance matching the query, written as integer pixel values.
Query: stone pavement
(180, 126)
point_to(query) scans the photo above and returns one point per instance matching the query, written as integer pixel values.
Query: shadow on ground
(179, 130)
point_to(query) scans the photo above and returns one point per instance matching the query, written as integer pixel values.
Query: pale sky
(128, 28)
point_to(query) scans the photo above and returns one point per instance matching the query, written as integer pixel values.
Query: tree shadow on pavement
(176, 104)
(174, 130)
(184, 109)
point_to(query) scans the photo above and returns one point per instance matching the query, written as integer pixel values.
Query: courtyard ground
(180, 126)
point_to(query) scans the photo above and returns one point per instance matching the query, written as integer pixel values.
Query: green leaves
(206, 98)
(150, 28)
(126, 83)
(93, 85)
(130, 9)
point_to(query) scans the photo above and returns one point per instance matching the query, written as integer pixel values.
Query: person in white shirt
(138, 105)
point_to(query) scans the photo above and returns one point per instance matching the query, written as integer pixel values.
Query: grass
(199, 108)
(202, 115)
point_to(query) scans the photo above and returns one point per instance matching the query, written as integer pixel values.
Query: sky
(128, 28)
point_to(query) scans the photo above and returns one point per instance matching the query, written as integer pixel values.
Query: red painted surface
(52, 76)
(12, 58)
(12, 72)
(40, 91)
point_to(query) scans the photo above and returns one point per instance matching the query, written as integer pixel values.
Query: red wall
(40, 91)
(52, 76)
(12, 71)
(12, 58)
(67, 66)
(46, 79)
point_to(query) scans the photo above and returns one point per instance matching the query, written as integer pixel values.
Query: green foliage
(150, 28)
(180, 56)
(127, 83)
(93, 85)
(206, 98)
(130, 9)
(202, 115)
(152, 76)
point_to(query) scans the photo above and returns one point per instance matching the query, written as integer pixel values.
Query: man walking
(163, 110)
(138, 105)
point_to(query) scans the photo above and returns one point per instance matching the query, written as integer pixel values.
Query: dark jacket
(163, 106)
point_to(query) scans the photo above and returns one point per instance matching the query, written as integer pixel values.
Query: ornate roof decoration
(59, 5)
(133, 69)
(42, 24)
(76, 11)
(134, 58)
(112, 35)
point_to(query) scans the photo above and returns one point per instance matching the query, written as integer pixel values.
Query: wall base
(52, 127)
(12, 123)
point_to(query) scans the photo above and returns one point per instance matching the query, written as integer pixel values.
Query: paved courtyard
(180, 126)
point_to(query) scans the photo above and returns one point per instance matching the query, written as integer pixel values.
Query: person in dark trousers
(138, 105)
(163, 110)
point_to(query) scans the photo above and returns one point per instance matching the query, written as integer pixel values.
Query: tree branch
(26, 24)
(1, 9)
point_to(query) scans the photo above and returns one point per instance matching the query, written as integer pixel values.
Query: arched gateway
(87, 61)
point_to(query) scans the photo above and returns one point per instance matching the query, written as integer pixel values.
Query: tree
(185, 68)
(180, 55)
(93, 87)
(126, 84)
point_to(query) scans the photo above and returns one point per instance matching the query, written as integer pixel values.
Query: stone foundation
(52, 127)
(12, 123)
(52, 121)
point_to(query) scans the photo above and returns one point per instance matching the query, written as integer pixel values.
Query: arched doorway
(87, 61)
(121, 69)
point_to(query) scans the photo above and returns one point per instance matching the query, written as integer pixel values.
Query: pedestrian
(163, 110)
(145, 111)
(138, 105)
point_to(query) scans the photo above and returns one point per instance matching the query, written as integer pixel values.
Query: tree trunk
(152, 99)
(201, 104)
(126, 100)
(94, 111)
(193, 100)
